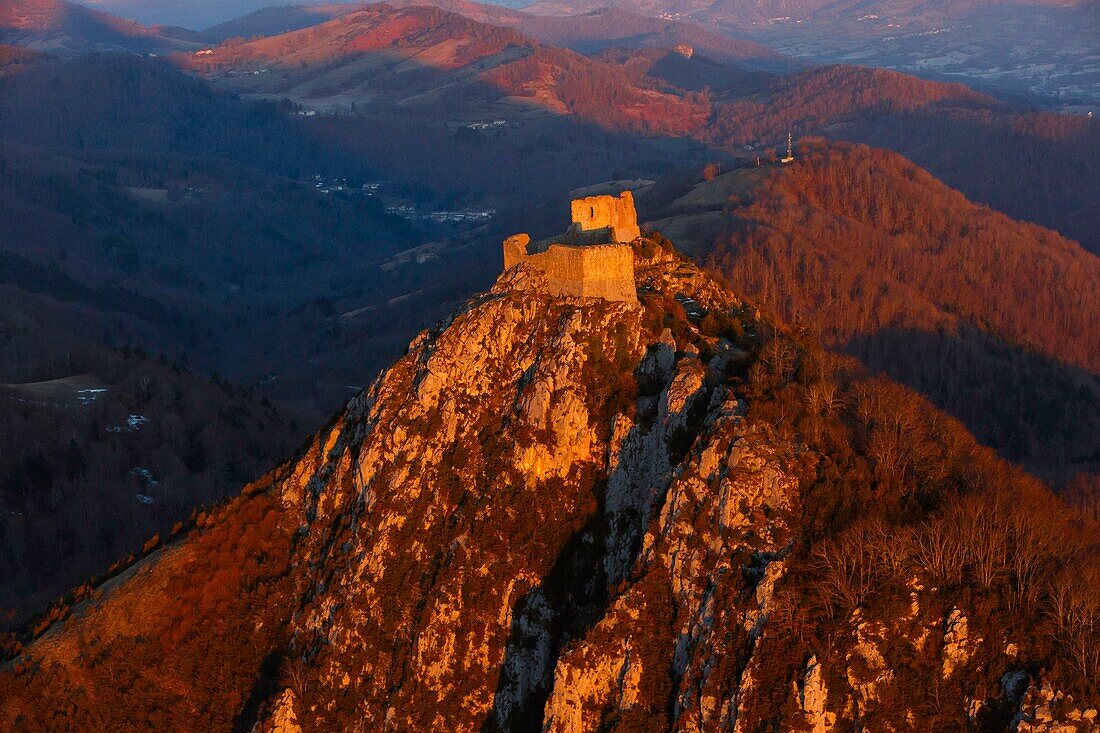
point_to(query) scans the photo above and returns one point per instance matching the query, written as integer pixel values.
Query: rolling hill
(995, 320)
(195, 14)
(994, 152)
(608, 27)
(106, 447)
(63, 27)
(423, 57)
(593, 31)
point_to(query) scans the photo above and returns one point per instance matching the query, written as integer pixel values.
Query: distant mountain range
(744, 12)
(940, 40)
(715, 93)
(593, 31)
(197, 14)
(1035, 47)
(200, 14)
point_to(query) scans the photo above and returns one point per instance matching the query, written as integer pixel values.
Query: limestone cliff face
(552, 514)
(497, 481)
(465, 471)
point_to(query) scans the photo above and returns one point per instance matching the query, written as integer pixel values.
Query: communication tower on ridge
(789, 158)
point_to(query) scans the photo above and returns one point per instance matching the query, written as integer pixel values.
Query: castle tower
(614, 214)
(594, 259)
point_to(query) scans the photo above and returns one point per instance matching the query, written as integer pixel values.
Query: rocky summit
(556, 514)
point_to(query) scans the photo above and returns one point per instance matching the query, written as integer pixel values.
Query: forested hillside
(70, 28)
(116, 449)
(996, 320)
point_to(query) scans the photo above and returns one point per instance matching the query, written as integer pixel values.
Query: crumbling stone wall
(594, 260)
(515, 249)
(598, 271)
(616, 214)
(602, 271)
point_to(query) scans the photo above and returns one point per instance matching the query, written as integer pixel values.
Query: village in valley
(398, 204)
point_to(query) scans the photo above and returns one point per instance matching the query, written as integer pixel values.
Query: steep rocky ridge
(569, 516)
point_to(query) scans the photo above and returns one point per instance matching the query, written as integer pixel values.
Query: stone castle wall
(594, 260)
(616, 214)
(598, 271)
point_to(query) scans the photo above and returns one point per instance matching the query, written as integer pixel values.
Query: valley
(285, 448)
(1046, 56)
(1045, 52)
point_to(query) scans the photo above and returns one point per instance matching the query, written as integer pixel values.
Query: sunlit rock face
(469, 467)
(531, 537)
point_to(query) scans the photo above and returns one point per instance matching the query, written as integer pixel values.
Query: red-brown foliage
(996, 320)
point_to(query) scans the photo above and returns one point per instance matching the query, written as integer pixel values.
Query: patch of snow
(144, 498)
(133, 422)
(89, 395)
(145, 475)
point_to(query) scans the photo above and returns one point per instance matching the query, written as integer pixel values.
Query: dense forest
(812, 100)
(118, 102)
(996, 320)
(93, 465)
(1037, 166)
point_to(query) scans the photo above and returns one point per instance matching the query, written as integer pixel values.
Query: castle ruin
(593, 259)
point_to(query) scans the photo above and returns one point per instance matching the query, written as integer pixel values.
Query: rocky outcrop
(1046, 710)
(282, 718)
(958, 645)
(814, 698)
